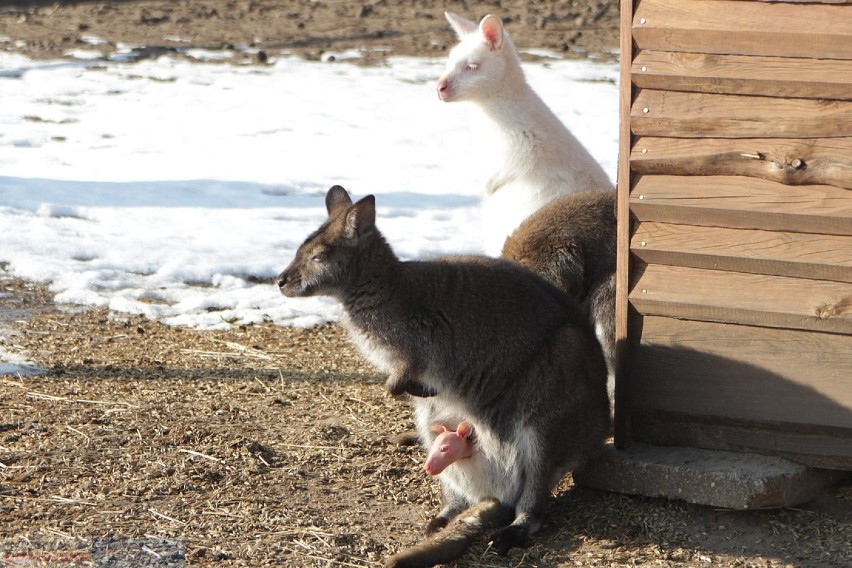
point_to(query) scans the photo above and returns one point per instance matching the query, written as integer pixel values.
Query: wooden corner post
(623, 220)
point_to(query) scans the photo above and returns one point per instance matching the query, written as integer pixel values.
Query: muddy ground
(264, 445)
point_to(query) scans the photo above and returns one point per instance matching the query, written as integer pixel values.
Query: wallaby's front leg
(406, 380)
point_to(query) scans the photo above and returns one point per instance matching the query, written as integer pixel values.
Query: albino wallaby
(570, 242)
(487, 340)
(448, 447)
(538, 158)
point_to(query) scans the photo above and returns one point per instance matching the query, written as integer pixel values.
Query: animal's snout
(282, 279)
(443, 88)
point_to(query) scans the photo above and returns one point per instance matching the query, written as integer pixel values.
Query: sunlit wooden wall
(734, 299)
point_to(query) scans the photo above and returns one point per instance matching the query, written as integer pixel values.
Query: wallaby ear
(462, 26)
(437, 428)
(336, 198)
(464, 429)
(491, 28)
(361, 217)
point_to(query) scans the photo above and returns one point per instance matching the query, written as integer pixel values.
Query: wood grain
(814, 161)
(779, 253)
(829, 448)
(742, 298)
(744, 203)
(744, 75)
(740, 372)
(744, 28)
(701, 115)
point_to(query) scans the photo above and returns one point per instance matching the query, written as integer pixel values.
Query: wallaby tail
(452, 541)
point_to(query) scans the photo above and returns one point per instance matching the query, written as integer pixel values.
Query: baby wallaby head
(481, 64)
(449, 447)
(323, 261)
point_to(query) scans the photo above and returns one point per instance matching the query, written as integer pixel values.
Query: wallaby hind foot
(454, 539)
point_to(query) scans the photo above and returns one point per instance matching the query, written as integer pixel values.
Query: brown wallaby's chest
(377, 351)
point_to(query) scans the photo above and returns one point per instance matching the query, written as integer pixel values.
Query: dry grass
(271, 446)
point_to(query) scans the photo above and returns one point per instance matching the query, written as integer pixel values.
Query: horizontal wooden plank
(804, 1)
(741, 298)
(676, 114)
(743, 75)
(829, 448)
(744, 28)
(789, 161)
(778, 253)
(741, 203)
(739, 372)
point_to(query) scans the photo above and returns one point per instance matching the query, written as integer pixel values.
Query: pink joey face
(449, 447)
(475, 67)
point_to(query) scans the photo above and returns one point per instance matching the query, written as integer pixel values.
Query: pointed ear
(437, 428)
(361, 217)
(462, 26)
(491, 29)
(336, 198)
(464, 430)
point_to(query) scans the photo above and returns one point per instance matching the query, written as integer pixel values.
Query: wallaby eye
(471, 66)
(320, 257)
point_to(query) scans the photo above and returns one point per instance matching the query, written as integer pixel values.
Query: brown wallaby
(570, 242)
(477, 339)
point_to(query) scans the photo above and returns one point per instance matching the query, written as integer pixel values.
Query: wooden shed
(734, 300)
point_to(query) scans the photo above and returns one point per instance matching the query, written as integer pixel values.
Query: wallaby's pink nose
(443, 87)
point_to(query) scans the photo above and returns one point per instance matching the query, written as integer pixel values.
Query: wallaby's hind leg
(529, 514)
(601, 305)
(454, 503)
(453, 540)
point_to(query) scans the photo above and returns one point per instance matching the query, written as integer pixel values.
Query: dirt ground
(264, 445)
(305, 27)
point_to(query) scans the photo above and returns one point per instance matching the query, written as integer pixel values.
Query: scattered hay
(271, 446)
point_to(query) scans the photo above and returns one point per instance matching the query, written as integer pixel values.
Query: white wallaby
(537, 157)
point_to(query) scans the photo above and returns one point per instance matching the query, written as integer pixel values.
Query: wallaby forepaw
(396, 388)
(513, 536)
(422, 391)
(436, 524)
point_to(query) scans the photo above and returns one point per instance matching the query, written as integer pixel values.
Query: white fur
(601, 334)
(537, 157)
(495, 469)
(373, 351)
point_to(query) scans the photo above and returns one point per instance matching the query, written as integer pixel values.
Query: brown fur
(570, 242)
(452, 541)
(477, 339)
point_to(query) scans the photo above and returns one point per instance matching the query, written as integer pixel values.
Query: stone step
(730, 480)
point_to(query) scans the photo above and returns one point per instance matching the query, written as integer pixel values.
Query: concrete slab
(729, 480)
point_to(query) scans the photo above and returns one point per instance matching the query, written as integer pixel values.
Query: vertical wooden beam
(623, 229)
